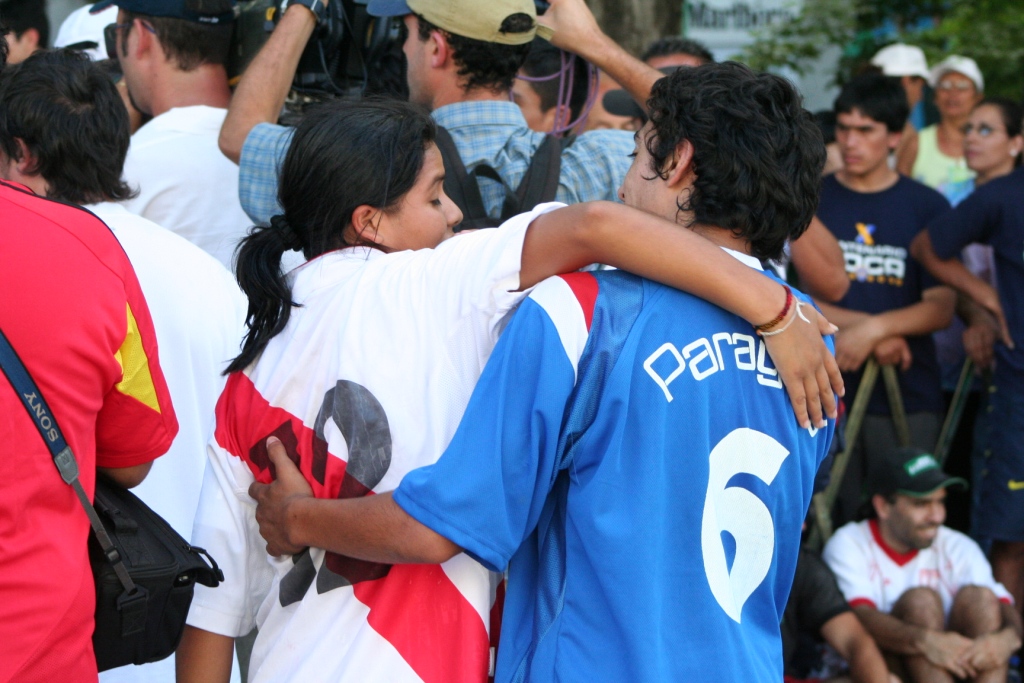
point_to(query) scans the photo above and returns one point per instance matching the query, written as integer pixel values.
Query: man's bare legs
(975, 613)
(922, 607)
(969, 643)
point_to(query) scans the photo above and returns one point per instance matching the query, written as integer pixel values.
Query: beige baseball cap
(476, 19)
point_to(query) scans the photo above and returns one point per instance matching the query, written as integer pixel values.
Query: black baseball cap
(911, 472)
(189, 10)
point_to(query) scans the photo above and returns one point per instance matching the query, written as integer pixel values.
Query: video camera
(343, 50)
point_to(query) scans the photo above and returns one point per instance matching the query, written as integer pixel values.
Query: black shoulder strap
(540, 184)
(461, 186)
(63, 457)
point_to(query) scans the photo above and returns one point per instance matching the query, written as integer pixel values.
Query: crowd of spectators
(247, 302)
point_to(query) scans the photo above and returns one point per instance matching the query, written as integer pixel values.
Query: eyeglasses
(984, 130)
(955, 85)
(110, 36)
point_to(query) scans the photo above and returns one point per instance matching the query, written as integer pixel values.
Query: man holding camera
(173, 54)
(463, 56)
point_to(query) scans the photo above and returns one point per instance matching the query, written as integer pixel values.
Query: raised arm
(602, 232)
(261, 93)
(575, 30)
(819, 263)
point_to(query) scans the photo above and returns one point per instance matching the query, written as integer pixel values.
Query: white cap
(81, 26)
(961, 65)
(900, 59)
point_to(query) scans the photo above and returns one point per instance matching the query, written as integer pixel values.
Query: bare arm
(603, 232)
(955, 274)
(576, 30)
(260, 94)
(845, 633)
(899, 637)
(128, 477)
(860, 333)
(819, 263)
(1011, 624)
(372, 528)
(203, 657)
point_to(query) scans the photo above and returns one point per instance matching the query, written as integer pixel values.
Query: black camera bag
(144, 625)
(145, 572)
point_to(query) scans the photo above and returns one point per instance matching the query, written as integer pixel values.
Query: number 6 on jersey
(740, 513)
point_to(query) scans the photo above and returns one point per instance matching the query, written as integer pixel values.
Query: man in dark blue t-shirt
(893, 304)
(993, 215)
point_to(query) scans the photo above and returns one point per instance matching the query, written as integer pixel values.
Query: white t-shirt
(199, 315)
(368, 380)
(185, 183)
(871, 573)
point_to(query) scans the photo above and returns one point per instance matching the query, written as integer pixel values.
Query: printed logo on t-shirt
(867, 261)
(865, 233)
(353, 411)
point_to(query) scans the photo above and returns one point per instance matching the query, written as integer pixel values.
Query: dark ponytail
(344, 154)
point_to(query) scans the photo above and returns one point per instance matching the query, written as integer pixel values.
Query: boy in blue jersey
(629, 452)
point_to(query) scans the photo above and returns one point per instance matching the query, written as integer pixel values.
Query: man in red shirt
(72, 308)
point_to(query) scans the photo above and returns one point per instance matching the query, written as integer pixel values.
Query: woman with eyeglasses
(992, 149)
(994, 215)
(937, 160)
(992, 139)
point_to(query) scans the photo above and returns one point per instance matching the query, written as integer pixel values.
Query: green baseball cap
(911, 472)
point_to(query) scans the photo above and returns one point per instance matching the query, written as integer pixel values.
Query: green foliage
(989, 31)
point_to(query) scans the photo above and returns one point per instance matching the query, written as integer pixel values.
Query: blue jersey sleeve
(487, 490)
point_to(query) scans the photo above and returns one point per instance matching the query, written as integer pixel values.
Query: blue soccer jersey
(631, 456)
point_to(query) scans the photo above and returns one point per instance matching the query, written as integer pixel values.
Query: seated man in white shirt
(173, 54)
(924, 591)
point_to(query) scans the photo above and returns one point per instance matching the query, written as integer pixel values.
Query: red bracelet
(781, 316)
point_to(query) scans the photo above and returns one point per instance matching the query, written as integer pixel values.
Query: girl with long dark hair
(361, 362)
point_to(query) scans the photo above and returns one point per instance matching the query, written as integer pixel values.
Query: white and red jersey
(870, 572)
(367, 381)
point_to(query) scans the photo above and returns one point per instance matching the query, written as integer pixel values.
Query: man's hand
(984, 295)
(806, 368)
(575, 30)
(979, 343)
(573, 25)
(894, 351)
(273, 500)
(987, 652)
(856, 342)
(948, 650)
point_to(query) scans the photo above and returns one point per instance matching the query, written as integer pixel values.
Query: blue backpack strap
(619, 302)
